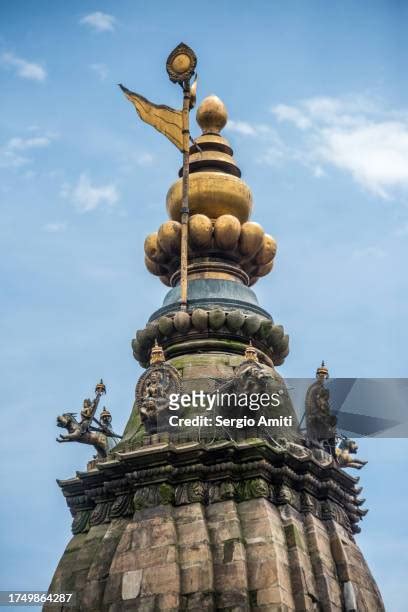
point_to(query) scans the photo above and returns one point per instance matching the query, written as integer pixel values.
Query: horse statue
(75, 434)
(344, 452)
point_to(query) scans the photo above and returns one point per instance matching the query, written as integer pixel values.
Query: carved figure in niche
(320, 422)
(154, 388)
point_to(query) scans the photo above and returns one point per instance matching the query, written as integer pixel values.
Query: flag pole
(184, 206)
(180, 66)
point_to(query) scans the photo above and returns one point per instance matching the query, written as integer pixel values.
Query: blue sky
(318, 107)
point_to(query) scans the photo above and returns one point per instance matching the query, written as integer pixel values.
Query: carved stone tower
(198, 519)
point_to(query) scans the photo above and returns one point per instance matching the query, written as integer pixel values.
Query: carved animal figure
(97, 440)
(344, 453)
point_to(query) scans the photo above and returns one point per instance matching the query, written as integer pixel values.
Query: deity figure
(154, 388)
(320, 422)
(84, 431)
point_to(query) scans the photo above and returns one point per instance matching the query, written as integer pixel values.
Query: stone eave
(227, 461)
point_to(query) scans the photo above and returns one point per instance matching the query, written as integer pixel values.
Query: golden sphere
(212, 194)
(211, 115)
(251, 238)
(169, 236)
(227, 229)
(200, 230)
(265, 269)
(154, 268)
(151, 246)
(181, 63)
(165, 280)
(267, 251)
(152, 249)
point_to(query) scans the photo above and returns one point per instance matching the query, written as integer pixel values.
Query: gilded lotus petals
(251, 238)
(200, 231)
(267, 251)
(169, 236)
(227, 229)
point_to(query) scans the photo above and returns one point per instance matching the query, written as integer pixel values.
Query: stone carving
(268, 337)
(320, 422)
(100, 514)
(249, 377)
(153, 390)
(80, 523)
(344, 454)
(84, 431)
(69, 422)
(122, 506)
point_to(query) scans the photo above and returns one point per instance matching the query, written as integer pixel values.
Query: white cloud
(318, 172)
(54, 228)
(247, 129)
(9, 159)
(145, 159)
(241, 127)
(101, 70)
(273, 156)
(284, 112)
(354, 135)
(87, 196)
(23, 68)
(101, 22)
(375, 154)
(14, 153)
(22, 144)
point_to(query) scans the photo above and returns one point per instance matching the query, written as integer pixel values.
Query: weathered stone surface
(230, 536)
(131, 583)
(267, 557)
(229, 558)
(242, 556)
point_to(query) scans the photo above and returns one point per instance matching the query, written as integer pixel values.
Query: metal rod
(184, 205)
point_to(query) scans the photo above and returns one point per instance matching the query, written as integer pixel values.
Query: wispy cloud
(101, 22)
(354, 135)
(87, 196)
(22, 144)
(145, 159)
(284, 112)
(247, 129)
(23, 68)
(54, 228)
(14, 153)
(101, 70)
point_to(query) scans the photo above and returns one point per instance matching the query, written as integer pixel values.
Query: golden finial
(100, 388)
(212, 115)
(105, 414)
(322, 373)
(157, 354)
(250, 353)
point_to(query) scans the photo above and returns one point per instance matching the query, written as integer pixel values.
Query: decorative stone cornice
(183, 474)
(209, 326)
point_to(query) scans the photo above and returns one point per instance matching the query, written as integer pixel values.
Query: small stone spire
(250, 353)
(322, 372)
(157, 354)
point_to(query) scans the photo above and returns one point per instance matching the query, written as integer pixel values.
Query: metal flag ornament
(174, 124)
(165, 119)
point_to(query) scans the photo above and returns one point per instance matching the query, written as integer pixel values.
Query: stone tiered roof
(192, 521)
